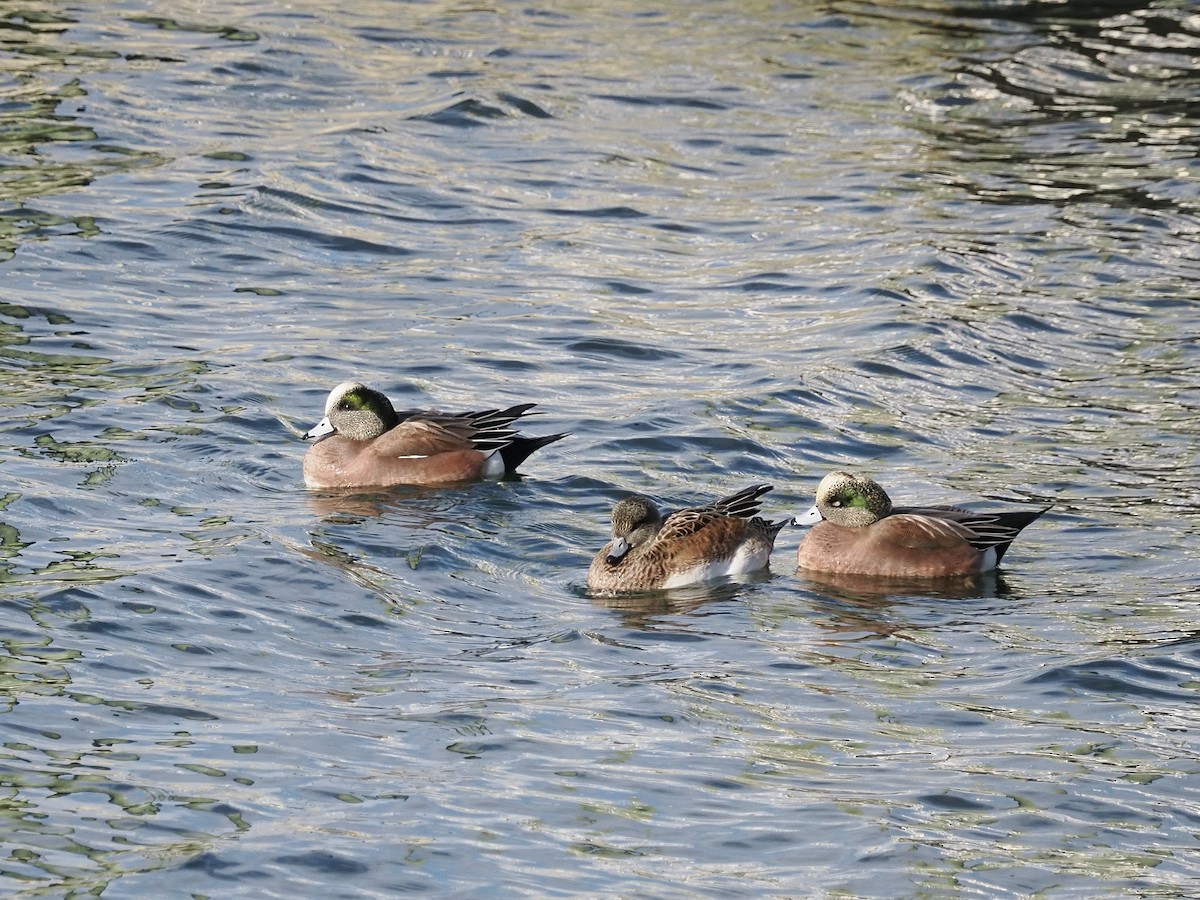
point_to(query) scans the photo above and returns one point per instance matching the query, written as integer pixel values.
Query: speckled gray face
(635, 519)
(354, 411)
(850, 500)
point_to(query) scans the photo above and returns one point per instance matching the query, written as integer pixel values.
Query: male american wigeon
(364, 442)
(859, 532)
(648, 552)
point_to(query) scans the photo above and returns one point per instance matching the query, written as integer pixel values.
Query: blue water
(954, 246)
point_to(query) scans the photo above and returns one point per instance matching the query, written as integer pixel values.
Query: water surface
(953, 245)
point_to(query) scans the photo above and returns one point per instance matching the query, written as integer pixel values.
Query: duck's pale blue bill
(321, 430)
(812, 517)
(618, 549)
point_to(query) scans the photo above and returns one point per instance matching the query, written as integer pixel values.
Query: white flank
(494, 467)
(746, 559)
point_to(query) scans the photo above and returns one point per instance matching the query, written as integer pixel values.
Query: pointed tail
(521, 447)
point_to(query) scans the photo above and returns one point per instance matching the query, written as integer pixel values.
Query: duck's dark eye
(837, 503)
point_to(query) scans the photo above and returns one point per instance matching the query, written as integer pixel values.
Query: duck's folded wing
(419, 436)
(685, 522)
(425, 433)
(922, 530)
(745, 503)
(952, 523)
(943, 511)
(691, 520)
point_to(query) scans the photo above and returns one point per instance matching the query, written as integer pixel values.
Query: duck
(856, 531)
(364, 442)
(649, 552)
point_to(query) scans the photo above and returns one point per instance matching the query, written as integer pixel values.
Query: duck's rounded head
(635, 520)
(852, 501)
(357, 412)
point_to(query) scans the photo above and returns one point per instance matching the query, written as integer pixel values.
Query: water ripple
(954, 247)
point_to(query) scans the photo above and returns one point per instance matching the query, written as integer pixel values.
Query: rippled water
(951, 245)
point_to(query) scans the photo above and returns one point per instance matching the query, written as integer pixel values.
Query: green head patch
(358, 398)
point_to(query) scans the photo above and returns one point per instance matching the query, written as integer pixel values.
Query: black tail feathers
(519, 449)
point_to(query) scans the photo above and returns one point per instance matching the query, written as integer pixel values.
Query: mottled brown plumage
(648, 552)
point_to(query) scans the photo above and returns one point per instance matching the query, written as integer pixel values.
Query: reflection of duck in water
(364, 442)
(875, 592)
(413, 506)
(644, 609)
(859, 532)
(648, 552)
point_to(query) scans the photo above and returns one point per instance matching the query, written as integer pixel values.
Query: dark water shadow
(869, 589)
(359, 504)
(644, 610)
(342, 537)
(864, 608)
